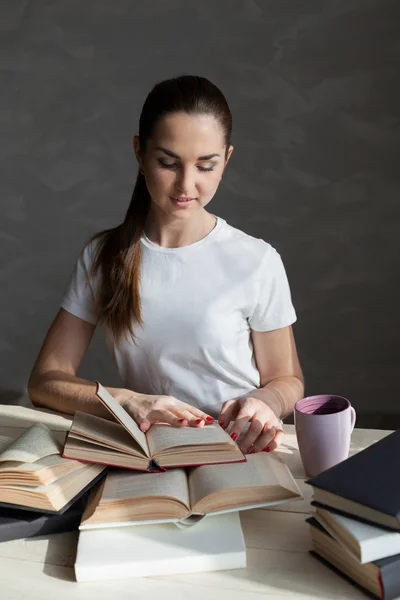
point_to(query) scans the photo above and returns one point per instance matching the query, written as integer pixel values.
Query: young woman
(197, 313)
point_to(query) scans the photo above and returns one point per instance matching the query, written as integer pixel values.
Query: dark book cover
(389, 569)
(371, 477)
(18, 524)
(19, 507)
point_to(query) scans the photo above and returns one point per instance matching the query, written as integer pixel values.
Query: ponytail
(118, 257)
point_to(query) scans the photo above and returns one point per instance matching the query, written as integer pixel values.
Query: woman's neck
(171, 232)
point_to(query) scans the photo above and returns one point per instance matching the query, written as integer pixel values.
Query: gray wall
(315, 99)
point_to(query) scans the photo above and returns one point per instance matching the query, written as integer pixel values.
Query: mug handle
(352, 418)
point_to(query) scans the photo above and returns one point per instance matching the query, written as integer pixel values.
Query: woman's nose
(185, 183)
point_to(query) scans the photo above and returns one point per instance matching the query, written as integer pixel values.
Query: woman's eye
(167, 165)
(173, 166)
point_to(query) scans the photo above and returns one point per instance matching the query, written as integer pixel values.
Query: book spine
(389, 579)
(154, 467)
(40, 526)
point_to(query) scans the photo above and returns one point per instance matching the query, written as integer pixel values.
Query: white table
(277, 541)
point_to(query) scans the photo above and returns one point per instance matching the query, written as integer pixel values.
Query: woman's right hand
(148, 409)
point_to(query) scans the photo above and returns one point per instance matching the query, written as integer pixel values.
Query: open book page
(120, 485)
(122, 417)
(127, 496)
(47, 462)
(35, 443)
(103, 433)
(260, 470)
(58, 492)
(162, 437)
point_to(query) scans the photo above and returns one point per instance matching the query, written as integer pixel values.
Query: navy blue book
(366, 485)
(16, 524)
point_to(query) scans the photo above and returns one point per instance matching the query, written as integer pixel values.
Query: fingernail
(252, 451)
(209, 419)
(181, 420)
(221, 423)
(198, 421)
(267, 449)
(234, 436)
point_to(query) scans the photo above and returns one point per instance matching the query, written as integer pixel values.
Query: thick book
(381, 578)
(365, 541)
(215, 544)
(366, 485)
(34, 458)
(123, 444)
(124, 498)
(16, 524)
(33, 475)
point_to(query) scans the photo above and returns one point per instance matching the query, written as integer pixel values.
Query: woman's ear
(136, 148)
(229, 154)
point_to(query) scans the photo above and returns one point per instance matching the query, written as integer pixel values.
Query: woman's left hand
(265, 429)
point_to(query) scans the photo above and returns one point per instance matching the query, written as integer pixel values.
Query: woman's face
(183, 162)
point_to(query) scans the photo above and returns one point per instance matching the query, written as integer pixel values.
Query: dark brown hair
(118, 251)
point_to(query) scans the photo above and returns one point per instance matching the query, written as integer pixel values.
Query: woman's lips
(182, 201)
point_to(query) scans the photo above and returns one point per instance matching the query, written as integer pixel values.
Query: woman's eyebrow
(173, 155)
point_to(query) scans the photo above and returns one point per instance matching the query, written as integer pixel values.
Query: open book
(33, 474)
(123, 444)
(124, 498)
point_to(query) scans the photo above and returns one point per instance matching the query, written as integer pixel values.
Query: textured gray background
(313, 87)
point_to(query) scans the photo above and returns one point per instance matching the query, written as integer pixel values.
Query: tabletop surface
(277, 541)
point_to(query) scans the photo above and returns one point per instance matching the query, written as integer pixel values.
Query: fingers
(269, 440)
(191, 419)
(138, 416)
(253, 433)
(144, 424)
(277, 441)
(244, 415)
(166, 416)
(173, 412)
(194, 416)
(166, 409)
(228, 412)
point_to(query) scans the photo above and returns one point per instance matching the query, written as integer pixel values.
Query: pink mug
(323, 428)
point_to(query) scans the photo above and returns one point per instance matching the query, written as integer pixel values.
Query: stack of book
(40, 492)
(356, 526)
(170, 503)
(179, 520)
(164, 501)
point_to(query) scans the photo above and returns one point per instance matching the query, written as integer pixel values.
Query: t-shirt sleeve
(79, 298)
(273, 307)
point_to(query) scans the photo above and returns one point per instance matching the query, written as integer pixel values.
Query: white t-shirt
(199, 305)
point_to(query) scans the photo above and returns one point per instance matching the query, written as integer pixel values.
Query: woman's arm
(53, 382)
(281, 385)
(281, 377)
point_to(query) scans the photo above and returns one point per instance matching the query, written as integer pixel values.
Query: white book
(364, 541)
(216, 543)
